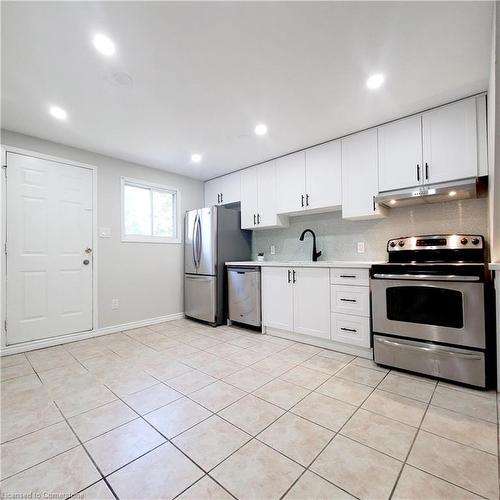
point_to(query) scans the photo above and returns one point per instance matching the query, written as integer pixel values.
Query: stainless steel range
(430, 307)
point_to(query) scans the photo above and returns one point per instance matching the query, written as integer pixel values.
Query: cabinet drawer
(350, 300)
(354, 330)
(349, 276)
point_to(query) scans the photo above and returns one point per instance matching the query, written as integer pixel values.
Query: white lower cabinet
(296, 299)
(349, 329)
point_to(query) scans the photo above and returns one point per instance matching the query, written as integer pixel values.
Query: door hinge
(5, 248)
(5, 325)
(5, 170)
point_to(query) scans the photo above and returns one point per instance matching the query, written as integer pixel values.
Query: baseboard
(73, 337)
(363, 352)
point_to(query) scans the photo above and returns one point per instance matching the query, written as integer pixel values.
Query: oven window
(425, 305)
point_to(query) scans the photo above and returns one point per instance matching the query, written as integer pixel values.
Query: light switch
(361, 247)
(273, 250)
(105, 232)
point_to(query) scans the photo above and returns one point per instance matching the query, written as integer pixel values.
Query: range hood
(475, 187)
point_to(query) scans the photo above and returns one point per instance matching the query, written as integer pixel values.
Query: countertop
(323, 263)
(494, 266)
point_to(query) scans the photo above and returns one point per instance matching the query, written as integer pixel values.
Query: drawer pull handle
(348, 276)
(349, 330)
(348, 300)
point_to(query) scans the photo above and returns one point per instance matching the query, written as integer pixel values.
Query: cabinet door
(450, 142)
(324, 176)
(230, 188)
(277, 298)
(212, 192)
(266, 179)
(249, 197)
(400, 154)
(291, 183)
(311, 301)
(359, 176)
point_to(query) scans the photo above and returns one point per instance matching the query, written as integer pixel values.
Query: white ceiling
(204, 74)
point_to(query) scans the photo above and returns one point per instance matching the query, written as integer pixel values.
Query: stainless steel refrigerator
(212, 237)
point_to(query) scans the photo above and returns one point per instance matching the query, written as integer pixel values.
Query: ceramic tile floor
(182, 410)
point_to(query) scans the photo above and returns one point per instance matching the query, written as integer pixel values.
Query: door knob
(86, 262)
(88, 250)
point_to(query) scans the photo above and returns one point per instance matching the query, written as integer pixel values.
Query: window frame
(152, 186)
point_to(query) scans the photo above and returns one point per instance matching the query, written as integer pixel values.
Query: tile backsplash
(338, 239)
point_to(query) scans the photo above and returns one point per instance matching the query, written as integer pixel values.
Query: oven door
(451, 312)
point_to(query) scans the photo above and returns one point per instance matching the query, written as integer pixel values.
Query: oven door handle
(429, 349)
(426, 277)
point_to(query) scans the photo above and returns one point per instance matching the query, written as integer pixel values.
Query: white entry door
(49, 248)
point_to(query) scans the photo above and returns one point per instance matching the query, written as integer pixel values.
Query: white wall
(145, 277)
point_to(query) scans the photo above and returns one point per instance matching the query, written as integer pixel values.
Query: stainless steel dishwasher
(244, 294)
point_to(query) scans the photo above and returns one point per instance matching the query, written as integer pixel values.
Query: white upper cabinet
(360, 177)
(450, 142)
(258, 198)
(223, 190)
(291, 183)
(324, 176)
(400, 154)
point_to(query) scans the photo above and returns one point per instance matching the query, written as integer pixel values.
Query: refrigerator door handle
(195, 232)
(198, 242)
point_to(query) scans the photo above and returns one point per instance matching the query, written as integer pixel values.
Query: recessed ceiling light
(195, 158)
(452, 193)
(104, 44)
(261, 129)
(393, 202)
(58, 113)
(375, 81)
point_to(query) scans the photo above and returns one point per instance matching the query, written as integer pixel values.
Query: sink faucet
(315, 254)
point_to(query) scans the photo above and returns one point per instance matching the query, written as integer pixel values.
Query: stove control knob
(392, 244)
(475, 241)
(401, 243)
(464, 241)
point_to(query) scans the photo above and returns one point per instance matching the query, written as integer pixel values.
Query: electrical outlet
(361, 247)
(115, 303)
(273, 250)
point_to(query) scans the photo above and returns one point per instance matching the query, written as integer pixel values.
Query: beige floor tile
(34, 448)
(296, 438)
(151, 398)
(205, 489)
(293, 356)
(98, 491)
(60, 477)
(406, 410)
(363, 472)
(128, 381)
(163, 473)
(405, 386)
(51, 357)
(345, 390)
(177, 417)
(323, 364)
(257, 472)
(211, 441)
(224, 350)
(382, 433)
(281, 393)
(19, 384)
(181, 350)
(247, 357)
(251, 414)
(248, 379)
(244, 342)
(273, 365)
(464, 466)
(313, 487)
(199, 359)
(59, 379)
(465, 402)
(221, 368)
(217, 396)
(458, 427)
(13, 359)
(413, 482)
(305, 377)
(14, 371)
(368, 363)
(190, 382)
(92, 423)
(361, 375)
(122, 445)
(324, 410)
(165, 371)
(328, 353)
(86, 349)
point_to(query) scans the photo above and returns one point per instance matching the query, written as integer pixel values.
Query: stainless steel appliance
(212, 236)
(244, 294)
(430, 307)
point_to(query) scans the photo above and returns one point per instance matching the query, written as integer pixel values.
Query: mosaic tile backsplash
(338, 238)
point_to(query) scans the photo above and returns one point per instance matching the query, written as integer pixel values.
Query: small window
(150, 212)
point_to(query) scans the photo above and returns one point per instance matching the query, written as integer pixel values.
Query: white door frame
(3, 260)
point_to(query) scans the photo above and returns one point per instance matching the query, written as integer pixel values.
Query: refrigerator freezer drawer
(244, 295)
(460, 365)
(200, 297)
